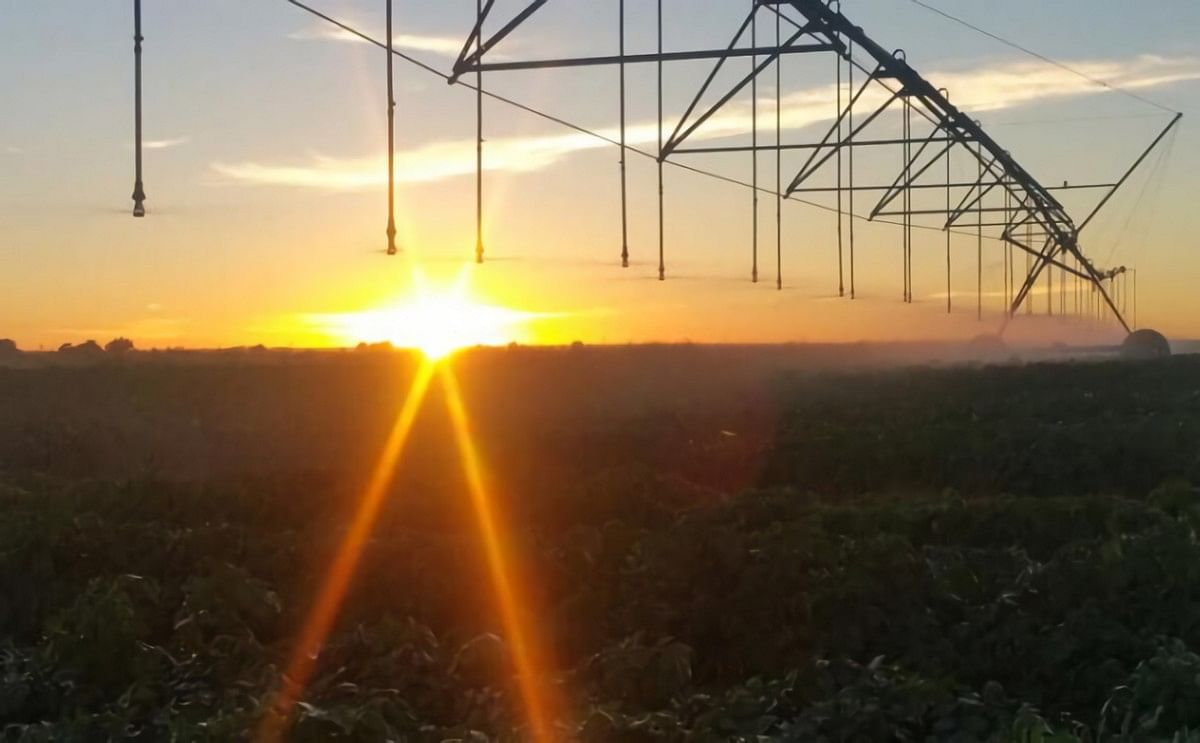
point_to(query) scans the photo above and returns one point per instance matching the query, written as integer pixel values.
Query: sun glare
(437, 321)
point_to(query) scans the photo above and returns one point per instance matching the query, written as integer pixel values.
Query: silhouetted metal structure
(139, 192)
(391, 125)
(1005, 197)
(1003, 202)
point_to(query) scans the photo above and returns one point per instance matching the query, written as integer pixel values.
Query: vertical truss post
(1113, 296)
(908, 283)
(754, 139)
(1079, 310)
(1029, 264)
(624, 150)
(850, 118)
(778, 153)
(1008, 256)
(1009, 279)
(479, 136)
(1062, 293)
(840, 159)
(979, 245)
(391, 117)
(662, 266)
(1124, 293)
(1063, 278)
(949, 234)
(1025, 295)
(903, 203)
(1050, 291)
(1012, 272)
(139, 193)
(1135, 300)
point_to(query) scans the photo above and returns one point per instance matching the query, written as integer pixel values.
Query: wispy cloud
(978, 91)
(433, 162)
(441, 45)
(12, 149)
(1029, 82)
(163, 144)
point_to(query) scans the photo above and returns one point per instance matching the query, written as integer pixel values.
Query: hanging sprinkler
(391, 223)
(139, 193)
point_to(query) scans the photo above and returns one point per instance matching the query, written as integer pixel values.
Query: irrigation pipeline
(600, 136)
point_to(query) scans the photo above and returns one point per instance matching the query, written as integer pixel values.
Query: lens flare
(527, 658)
(337, 581)
(436, 320)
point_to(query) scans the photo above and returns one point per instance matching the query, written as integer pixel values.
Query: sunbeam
(527, 658)
(333, 591)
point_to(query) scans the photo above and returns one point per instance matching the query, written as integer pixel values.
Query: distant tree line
(116, 347)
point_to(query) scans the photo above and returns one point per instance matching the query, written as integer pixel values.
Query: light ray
(337, 581)
(527, 658)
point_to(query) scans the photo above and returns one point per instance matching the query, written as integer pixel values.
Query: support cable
(1062, 66)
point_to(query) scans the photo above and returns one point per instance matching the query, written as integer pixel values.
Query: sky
(265, 171)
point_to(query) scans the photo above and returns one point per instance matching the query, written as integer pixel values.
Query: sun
(437, 321)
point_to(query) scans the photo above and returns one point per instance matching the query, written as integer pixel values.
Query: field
(718, 544)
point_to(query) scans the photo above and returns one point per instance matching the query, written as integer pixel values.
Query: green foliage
(916, 566)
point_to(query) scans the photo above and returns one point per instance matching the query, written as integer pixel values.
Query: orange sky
(265, 178)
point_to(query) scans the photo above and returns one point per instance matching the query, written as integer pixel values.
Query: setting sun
(437, 321)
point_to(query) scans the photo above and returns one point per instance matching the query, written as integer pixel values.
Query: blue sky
(267, 134)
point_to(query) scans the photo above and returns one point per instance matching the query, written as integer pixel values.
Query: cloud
(164, 144)
(981, 90)
(12, 149)
(1028, 82)
(441, 45)
(433, 162)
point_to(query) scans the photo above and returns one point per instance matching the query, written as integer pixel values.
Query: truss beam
(1004, 186)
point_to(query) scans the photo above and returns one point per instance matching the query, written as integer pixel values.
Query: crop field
(716, 545)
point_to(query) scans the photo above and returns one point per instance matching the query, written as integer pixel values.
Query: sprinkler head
(139, 200)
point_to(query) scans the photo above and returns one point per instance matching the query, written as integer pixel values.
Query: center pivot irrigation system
(1001, 200)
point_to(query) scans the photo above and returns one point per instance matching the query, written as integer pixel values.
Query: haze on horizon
(265, 175)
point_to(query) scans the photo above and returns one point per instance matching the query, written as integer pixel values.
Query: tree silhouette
(87, 348)
(119, 346)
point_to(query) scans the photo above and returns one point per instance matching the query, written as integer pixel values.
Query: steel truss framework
(1004, 201)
